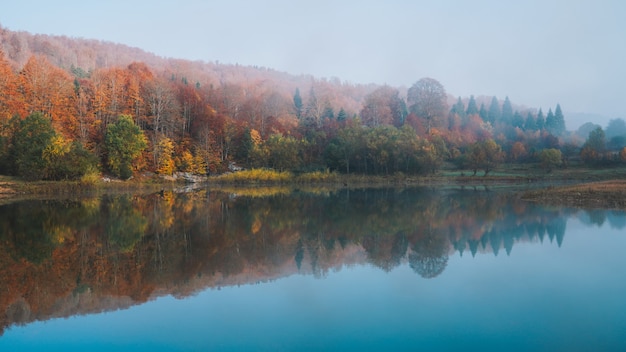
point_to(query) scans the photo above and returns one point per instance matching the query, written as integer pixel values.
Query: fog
(538, 53)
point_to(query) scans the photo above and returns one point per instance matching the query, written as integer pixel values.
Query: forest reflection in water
(64, 257)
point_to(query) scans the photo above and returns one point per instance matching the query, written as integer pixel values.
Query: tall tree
(427, 99)
(540, 121)
(124, 143)
(555, 122)
(550, 124)
(517, 120)
(559, 121)
(495, 113)
(297, 103)
(531, 123)
(472, 108)
(34, 135)
(483, 113)
(313, 111)
(595, 146)
(507, 111)
(383, 107)
(341, 115)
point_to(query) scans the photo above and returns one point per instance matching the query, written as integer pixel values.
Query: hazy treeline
(65, 105)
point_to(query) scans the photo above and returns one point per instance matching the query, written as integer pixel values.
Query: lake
(275, 269)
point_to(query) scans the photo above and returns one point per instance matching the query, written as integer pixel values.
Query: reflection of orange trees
(178, 243)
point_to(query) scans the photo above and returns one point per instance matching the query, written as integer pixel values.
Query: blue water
(541, 297)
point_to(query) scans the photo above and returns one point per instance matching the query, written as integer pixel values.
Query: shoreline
(555, 190)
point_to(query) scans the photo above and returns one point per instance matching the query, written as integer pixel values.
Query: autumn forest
(70, 108)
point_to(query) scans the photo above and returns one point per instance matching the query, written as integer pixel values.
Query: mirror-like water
(409, 269)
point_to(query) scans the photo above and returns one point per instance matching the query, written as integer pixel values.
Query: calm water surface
(270, 269)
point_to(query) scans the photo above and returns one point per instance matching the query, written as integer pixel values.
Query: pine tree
(341, 116)
(541, 121)
(494, 111)
(459, 109)
(517, 120)
(472, 108)
(559, 121)
(297, 103)
(531, 123)
(551, 125)
(507, 111)
(483, 112)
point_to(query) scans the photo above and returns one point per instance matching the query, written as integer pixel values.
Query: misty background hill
(78, 55)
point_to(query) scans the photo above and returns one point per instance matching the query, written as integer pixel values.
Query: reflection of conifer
(460, 245)
(299, 254)
(494, 241)
(508, 243)
(556, 230)
(473, 245)
(541, 232)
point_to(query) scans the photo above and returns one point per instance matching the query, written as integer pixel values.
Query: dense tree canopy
(124, 143)
(182, 116)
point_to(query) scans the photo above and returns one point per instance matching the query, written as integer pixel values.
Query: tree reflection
(132, 247)
(124, 223)
(429, 255)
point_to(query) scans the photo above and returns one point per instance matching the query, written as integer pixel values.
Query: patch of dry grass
(605, 194)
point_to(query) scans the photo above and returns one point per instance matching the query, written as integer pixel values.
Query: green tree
(283, 152)
(341, 152)
(67, 160)
(483, 113)
(33, 136)
(485, 155)
(297, 103)
(550, 158)
(245, 147)
(531, 123)
(594, 148)
(555, 122)
(458, 110)
(550, 125)
(124, 142)
(507, 111)
(329, 113)
(518, 120)
(540, 121)
(341, 116)
(559, 121)
(472, 108)
(494, 113)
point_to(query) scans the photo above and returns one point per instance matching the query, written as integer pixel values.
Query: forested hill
(74, 107)
(81, 56)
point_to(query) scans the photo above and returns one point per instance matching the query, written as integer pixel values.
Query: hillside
(201, 117)
(90, 55)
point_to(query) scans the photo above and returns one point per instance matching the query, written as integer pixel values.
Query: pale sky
(537, 52)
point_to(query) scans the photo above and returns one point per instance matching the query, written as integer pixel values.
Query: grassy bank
(605, 194)
(584, 189)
